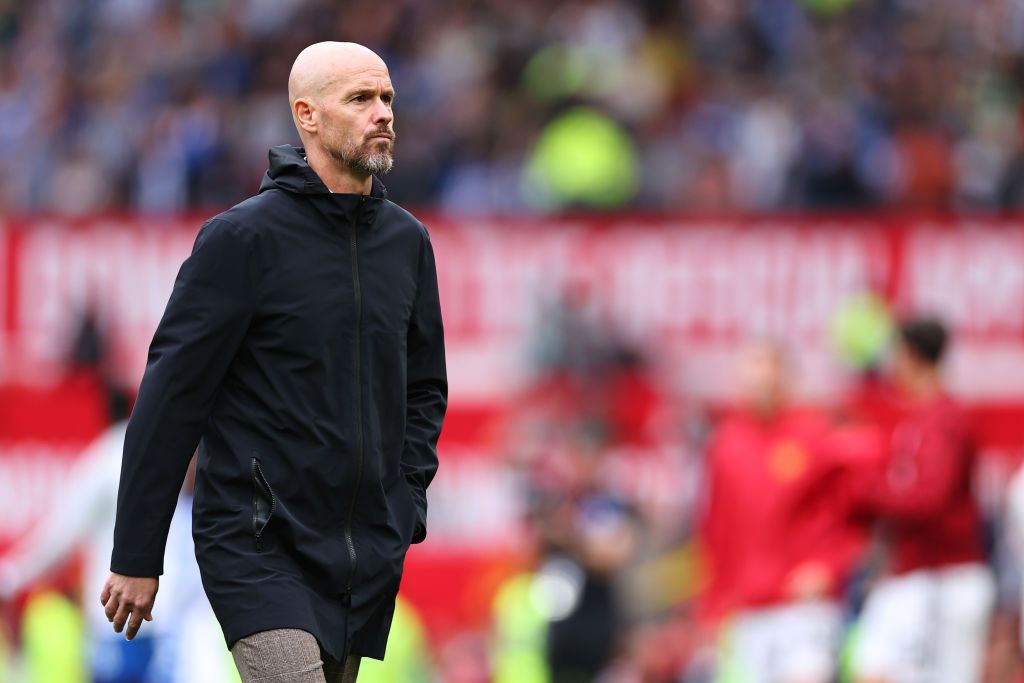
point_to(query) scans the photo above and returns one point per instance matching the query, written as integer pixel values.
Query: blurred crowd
(704, 105)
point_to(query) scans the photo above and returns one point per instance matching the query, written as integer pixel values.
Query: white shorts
(794, 642)
(929, 626)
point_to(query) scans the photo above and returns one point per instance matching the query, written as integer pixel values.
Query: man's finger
(133, 624)
(105, 595)
(111, 606)
(121, 618)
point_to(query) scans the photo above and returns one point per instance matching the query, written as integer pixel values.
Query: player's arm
(426, 388)
(202, 327)
(713, 535)
(826, 558)
(847, 471)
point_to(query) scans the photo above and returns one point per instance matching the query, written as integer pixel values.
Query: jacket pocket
(264, 503)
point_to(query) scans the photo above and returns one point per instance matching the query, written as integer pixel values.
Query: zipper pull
(359, 209)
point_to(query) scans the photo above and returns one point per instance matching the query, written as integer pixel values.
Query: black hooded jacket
(302, 349)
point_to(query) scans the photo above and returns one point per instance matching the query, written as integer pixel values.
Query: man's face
(356, 121)
(763, 377)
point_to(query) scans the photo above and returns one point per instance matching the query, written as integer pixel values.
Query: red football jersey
(774, 506)
(924, 491)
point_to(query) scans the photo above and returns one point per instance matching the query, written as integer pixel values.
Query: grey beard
(365, 163)
(377, 163)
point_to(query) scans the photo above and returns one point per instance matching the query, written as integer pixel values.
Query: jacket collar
(290, 171)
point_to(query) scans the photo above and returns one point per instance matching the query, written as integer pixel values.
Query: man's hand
(809, 581)
(129, 595)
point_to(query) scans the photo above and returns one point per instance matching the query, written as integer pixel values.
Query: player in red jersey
(776, 547)
(927, 620)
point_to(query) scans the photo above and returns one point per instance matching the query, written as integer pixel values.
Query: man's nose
(382, 112)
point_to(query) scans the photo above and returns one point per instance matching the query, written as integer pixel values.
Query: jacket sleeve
(426, 387)
(202, 327)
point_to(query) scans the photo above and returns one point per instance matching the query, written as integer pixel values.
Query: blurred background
(623, 197)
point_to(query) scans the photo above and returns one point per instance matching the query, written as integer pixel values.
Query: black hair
(925, 337)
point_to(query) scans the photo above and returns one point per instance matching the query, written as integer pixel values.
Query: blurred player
(777, 550)
(927, 620)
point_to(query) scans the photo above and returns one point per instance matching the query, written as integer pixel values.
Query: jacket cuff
(131, 564)
(420, 533)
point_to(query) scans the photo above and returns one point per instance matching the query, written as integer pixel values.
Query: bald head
(322, 66)
(340, 96)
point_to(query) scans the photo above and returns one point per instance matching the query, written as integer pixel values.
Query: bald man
(302, 351)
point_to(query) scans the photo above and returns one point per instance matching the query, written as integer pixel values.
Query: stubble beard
(372, 157)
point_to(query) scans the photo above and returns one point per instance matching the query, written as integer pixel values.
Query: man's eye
(359, 98)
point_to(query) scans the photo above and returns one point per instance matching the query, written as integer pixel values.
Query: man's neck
(338, 179)
(767, 409)
(926, 386)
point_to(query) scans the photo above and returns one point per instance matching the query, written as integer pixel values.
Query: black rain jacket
(302, 349)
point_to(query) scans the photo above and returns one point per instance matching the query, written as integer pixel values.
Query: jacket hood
(290, 171)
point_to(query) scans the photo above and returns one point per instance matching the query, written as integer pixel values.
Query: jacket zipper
(357, 362)
(259, 478)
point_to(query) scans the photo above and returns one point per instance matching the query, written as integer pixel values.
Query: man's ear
(305, 114)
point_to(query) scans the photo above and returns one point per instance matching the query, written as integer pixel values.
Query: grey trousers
(289, 655)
